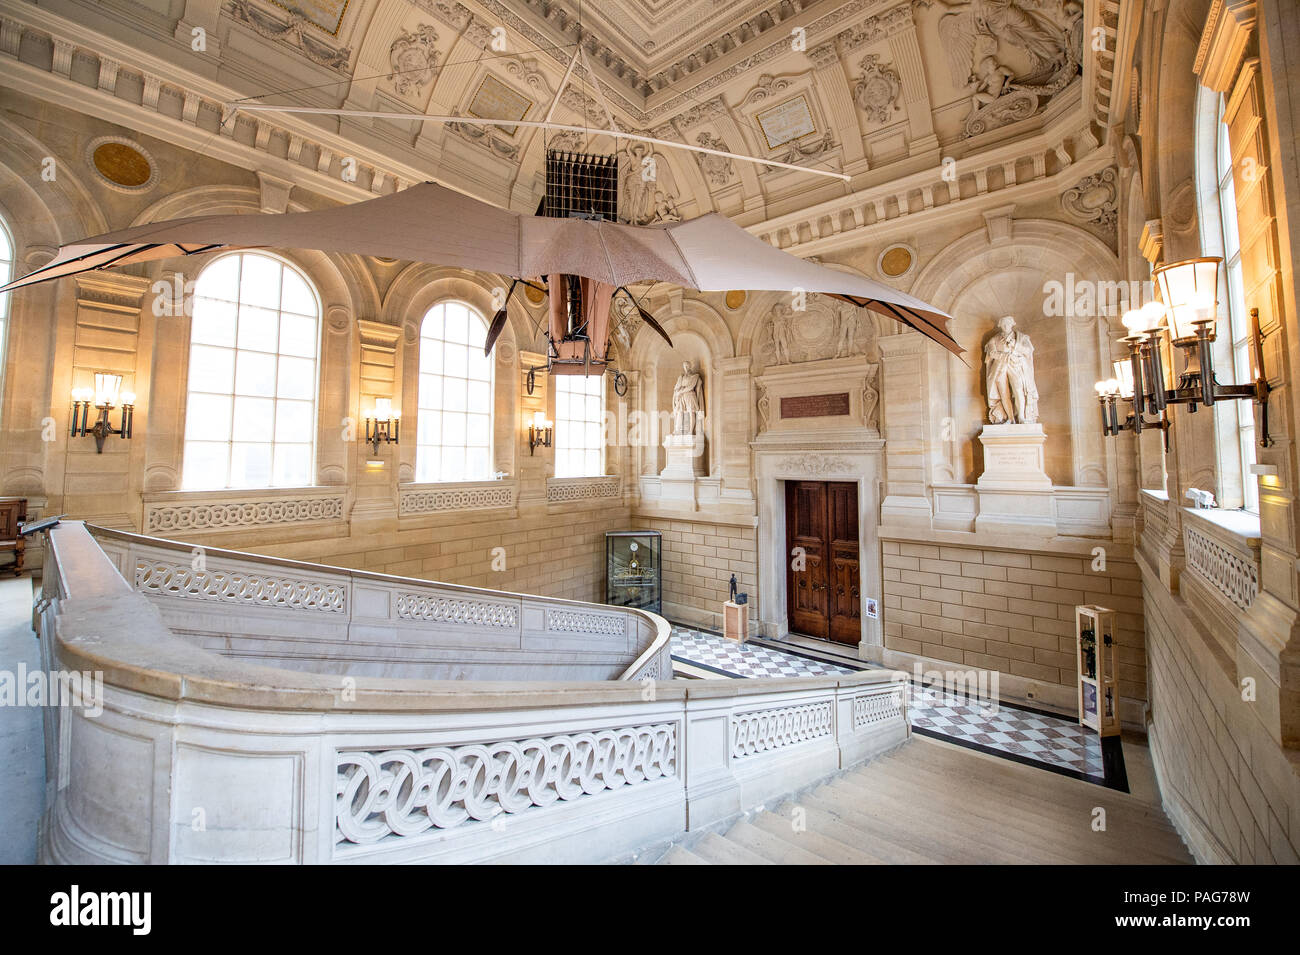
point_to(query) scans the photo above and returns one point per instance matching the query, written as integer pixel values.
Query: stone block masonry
(1010, 611)
(698, 561)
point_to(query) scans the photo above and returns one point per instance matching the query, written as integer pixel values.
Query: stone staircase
(930, 802)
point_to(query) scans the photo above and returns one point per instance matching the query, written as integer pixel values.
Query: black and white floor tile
(1025, 736)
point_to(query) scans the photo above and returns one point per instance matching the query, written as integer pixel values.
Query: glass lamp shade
(383, 409)
(1190, 290)
(1124, 376)
(1134, 321)
(539, 420)
(106, 389)
(1153, 316)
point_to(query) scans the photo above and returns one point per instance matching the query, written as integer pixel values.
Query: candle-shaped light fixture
(539, 432)
(383, 424)
(104, 397)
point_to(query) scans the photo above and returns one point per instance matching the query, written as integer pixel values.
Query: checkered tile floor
(1050, 740)
(744, 660)
(1044, 739)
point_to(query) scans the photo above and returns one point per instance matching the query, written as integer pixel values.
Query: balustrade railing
(283, 765)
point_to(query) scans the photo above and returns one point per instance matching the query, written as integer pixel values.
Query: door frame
(860, 463)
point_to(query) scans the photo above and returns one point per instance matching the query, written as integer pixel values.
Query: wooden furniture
(1094, 633)
(735, 621)
(13, 512)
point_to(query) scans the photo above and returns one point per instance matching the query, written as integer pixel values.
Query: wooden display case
(1094, 631)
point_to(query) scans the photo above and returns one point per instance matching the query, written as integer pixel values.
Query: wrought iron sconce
(383, 425)
(105, 397)
(1187, 314)
(539, 432)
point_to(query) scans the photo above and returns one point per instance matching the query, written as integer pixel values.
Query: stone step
(921, 812)
(814, 839)
(827, 823)
(1129, 825)
(771, 847)
(716, 850)
(679, 856)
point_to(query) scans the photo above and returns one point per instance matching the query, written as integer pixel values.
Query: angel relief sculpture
(1045, 46)
(647, 187)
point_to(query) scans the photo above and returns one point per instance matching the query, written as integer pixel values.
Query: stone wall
(1232, 791)
(1010, 611)
(698, 561)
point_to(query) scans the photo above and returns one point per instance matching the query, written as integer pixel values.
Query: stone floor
(1038, 739)
(21, 753)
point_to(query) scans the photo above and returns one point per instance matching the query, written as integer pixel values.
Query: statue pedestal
(1015, 493)
(685, 462)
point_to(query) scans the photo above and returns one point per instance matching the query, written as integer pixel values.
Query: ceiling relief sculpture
(647, 187)
(294, 30)
(876, 90)
(414, 58)
(1010, 56)
(1094, 199)
(719, 170)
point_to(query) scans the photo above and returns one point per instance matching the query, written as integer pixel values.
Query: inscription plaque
(815, 406)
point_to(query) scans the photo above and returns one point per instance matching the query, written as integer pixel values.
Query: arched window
(250, 413)
(1220, 236)
(579, 420)
(454, 431)
(6, 273)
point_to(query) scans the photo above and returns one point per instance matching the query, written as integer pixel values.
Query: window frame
(425, 473)
(313, 443)
(565, 427)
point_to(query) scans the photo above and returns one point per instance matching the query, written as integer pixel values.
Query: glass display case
(632, 569)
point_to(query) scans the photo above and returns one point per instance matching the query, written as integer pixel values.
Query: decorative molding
(433, 498)
(388, 794)
(579, 621)
(873, 708)
(413, 57)
(465, 611)
(1233, 572)
(761, 731)
(163, 578)
(814, 464)
(1225, 42)
(876, 90)
(225, 514)
(1094, 199)
(582, 489)
(290, 31)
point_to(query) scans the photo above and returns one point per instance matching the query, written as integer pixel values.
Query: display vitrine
(632, 569)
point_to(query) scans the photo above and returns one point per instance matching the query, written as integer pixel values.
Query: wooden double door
(822, 575)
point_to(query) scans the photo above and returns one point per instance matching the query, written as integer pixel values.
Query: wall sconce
(105, 397)
(383, 424)
(539, 432)
(1187, 313)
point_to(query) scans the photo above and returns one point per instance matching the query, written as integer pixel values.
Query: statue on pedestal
(1009, 375)
(688, 400)
(782, 332)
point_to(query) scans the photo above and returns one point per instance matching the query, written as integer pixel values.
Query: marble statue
(1009, 374)
(688, 400)
(782, 332)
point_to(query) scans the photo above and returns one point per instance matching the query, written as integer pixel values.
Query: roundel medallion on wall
(896, 261)
(122, 164)
(736, 298)
(534, 295)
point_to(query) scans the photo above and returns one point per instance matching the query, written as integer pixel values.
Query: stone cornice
(1225, 42)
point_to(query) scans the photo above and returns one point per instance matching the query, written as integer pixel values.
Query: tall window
(1238, 317)
(454, 432)
(6, 273)
(579, 419)
(250, 415)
